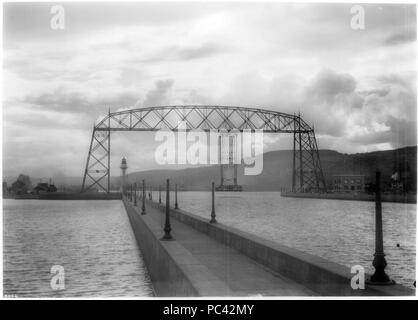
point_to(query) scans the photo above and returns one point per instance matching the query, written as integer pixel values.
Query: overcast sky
(358, 87)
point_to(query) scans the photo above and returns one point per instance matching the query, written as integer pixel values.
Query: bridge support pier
(228, 146)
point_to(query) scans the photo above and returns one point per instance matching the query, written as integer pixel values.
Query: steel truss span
(307, 172)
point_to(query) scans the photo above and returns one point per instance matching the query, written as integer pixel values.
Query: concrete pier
(208, 259)
(397, 198)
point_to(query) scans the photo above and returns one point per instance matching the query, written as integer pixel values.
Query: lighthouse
(123, 167)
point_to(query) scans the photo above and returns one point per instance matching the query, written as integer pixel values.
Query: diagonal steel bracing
(307, 171)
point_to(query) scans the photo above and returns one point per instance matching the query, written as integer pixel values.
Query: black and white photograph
(208, 150)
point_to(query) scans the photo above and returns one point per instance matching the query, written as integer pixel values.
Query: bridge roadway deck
(242, 275)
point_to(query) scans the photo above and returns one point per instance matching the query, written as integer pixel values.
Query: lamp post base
(389, 282)
(379, 277)
(167, 238)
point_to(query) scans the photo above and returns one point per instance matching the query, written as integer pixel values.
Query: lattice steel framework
(307, 171)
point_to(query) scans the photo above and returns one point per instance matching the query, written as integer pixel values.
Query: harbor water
(337, 230)
(94, 243)
(91, 240)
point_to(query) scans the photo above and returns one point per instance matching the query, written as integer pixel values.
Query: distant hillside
(402, 160)
(277, 170)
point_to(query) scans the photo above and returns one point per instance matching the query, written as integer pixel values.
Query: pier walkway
(241, 275)
(206, 259)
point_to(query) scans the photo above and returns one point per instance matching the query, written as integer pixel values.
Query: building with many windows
(349, 183)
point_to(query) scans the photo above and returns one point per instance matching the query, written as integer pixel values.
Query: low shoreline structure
(397, 198)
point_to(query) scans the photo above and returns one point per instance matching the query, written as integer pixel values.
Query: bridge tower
(123, 167)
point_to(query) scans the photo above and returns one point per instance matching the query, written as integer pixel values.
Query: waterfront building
(349, 183)
(43, 187)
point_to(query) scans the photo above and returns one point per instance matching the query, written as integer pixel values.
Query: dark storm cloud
(328, 84)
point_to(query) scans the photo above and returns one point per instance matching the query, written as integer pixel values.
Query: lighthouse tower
(123, 167)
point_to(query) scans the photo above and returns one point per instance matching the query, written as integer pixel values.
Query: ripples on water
(92, 240)
(340, 231)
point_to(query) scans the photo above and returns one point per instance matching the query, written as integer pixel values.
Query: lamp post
(212, 214)
(135, 195)
(167, 227)
(159, 194)
(143, 198)
(176, 206)
(379, 262)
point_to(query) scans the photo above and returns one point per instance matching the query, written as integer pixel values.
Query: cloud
(402, 131)
(357, 87)
(393, 79)
(160, 94)
(31, 20)
(331, 101)
(177, 53)
(324, 100)
(328, 85)
(374, 116)
(379, 92)
(401, 38)
(203, 51)
(81, 102)
(193, 97)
